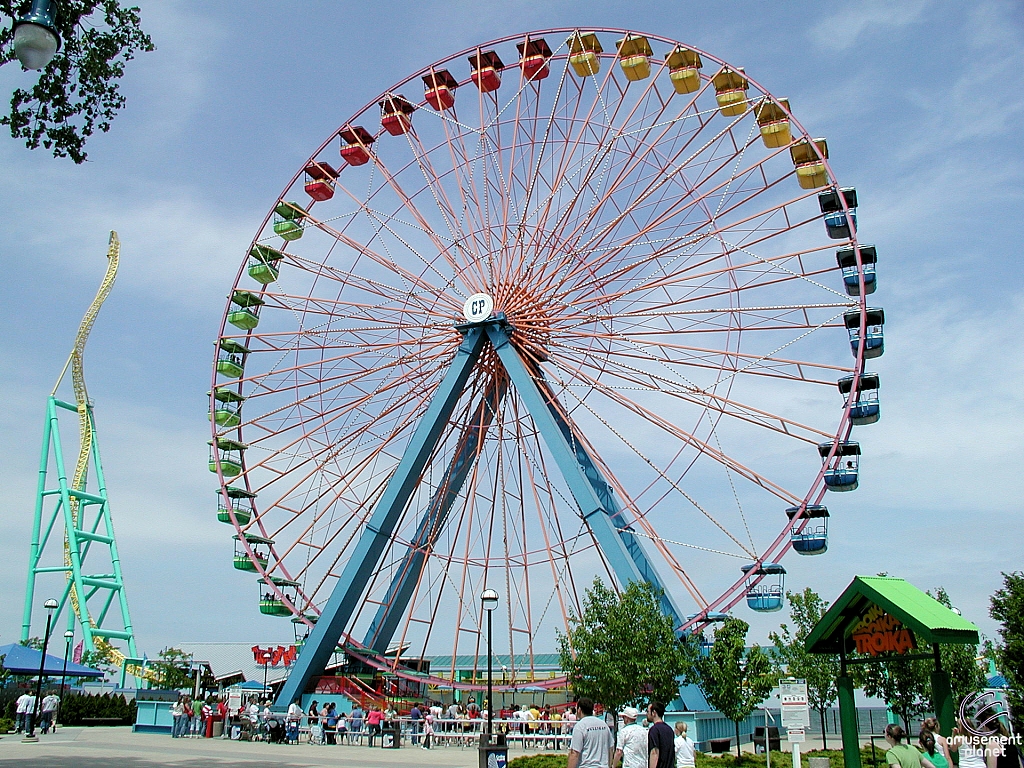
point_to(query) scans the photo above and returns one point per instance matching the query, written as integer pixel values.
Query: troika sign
(879, 632)
(275, 657)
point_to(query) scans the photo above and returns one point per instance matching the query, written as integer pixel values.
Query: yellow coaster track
(76, 363)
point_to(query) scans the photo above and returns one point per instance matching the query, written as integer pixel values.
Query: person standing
(177, 717)
(631, 742)
(49, 706)
(428, 730)
(294, 719)
(661, 746)
(931, 724)
(686, 750)
(415, 715)
(356, 729)
(373, 721)
(591, 743)
(900, 755)
(932, 757)
(972, 754)
(25, 704)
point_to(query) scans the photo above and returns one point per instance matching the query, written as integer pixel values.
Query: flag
(77, 655)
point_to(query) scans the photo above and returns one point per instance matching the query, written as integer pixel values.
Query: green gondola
(231, 358)
(228, 412)
(264, 265)
(246, 315)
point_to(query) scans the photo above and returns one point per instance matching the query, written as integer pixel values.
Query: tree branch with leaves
(820, 670)
(622, 649)
(732, 678)
(77, 92)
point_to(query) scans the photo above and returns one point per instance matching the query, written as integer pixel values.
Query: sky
(921, 102)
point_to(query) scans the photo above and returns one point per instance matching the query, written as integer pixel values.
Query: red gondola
(356, 149)
(396, 114)
(440, 89)
(534, 55)
(320, 178)
(486, 70)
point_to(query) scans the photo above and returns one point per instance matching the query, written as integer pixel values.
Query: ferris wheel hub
(478, 307)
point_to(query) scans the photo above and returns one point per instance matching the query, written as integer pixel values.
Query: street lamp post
(35, 35)
(50, 606)
(68, 637)
(489, 599)
(267, 656)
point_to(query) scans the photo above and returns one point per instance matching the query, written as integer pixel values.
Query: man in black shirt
(661, 746)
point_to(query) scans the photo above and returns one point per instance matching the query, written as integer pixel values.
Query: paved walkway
(105, 747)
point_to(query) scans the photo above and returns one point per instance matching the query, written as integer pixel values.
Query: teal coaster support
(88, 540)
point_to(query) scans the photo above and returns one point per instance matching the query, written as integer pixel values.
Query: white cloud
(842, 27)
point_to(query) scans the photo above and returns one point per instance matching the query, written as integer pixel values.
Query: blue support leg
(377, 532)
(595, 514)
(400, 592)
(607, 496)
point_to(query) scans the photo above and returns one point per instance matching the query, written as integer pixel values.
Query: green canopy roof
(925, 616)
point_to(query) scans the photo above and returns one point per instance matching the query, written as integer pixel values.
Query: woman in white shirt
(686, 750)
(972, 754)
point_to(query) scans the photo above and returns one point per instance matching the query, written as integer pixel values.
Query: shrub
(75, 708)
(6, 725)
(539, 761)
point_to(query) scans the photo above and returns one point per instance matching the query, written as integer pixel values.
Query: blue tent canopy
(21, 660)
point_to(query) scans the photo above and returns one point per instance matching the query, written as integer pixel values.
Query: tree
(623, 648)
(904, 685)
(820, 670)
(1007, 607)
(104, 658)
(173, 669)
(960, 661)
(733, 679)
(77, 92)
(36, 643)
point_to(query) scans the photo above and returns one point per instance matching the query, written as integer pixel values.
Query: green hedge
(539, 761)
(728, 760)
(75, 708)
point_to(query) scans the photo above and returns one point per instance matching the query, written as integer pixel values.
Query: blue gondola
(842, 471)
(864, 406)
(874, 340)
(847, 260)
(838, 225)
(765, 586)
(813, 539)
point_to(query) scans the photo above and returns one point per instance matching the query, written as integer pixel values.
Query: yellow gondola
(684, 70)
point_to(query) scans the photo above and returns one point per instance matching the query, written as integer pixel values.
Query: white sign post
(796, 714)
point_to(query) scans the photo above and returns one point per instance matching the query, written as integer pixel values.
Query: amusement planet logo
(983, 728)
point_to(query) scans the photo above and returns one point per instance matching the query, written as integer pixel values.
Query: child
(428, 730)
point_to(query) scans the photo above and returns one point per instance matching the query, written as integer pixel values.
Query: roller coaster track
(85, 430)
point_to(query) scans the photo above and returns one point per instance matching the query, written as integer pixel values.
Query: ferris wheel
(568, 304)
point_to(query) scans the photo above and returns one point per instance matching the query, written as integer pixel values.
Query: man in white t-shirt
(591, 743)
(25, 704)
(631, 743)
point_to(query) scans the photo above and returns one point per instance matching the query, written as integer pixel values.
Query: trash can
(218, 728)
(493, 755)
(720, 746)
(391, 736)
